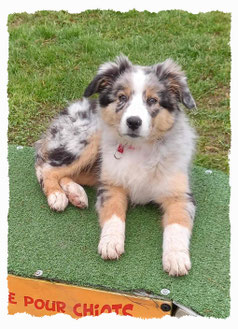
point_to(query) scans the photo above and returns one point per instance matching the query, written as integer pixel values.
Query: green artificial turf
(64, 245)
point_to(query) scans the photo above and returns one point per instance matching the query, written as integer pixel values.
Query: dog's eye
(122, 98)
(151, 101)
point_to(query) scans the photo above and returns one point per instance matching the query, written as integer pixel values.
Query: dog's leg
(56, 197)
(61, 185)
(73, 189)
(59, 181)
(179, 212)
(111, 206)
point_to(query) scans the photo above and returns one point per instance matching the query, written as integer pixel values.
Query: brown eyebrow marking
(123, 90)
(152, 92)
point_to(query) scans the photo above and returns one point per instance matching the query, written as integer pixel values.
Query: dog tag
(118, 153)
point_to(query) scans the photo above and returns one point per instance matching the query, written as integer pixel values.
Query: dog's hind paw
(76, 194)
(57, 201)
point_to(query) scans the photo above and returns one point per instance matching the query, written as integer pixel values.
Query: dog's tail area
(67, 155)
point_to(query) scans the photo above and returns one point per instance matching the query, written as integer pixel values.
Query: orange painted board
(40, 297)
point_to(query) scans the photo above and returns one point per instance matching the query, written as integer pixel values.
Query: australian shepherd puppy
(135, 144)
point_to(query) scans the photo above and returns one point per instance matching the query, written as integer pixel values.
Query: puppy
(135, 144)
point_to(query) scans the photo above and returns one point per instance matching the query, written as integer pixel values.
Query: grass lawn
(54, 55)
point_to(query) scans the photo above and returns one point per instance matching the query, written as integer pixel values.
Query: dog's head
(140, 102)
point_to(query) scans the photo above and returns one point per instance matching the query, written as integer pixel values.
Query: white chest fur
(143, 171)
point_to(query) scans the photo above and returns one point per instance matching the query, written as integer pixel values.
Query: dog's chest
(137, 170)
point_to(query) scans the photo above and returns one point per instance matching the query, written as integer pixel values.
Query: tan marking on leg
(112, 215)
(175, 213)
(174, 205)
(56, 197)
(177, 224)
(51, 182)
(116, 204)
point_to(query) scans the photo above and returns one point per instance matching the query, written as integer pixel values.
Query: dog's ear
(107, 74)
(175, 81)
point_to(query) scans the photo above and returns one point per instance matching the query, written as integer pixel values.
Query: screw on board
(38, 273)
(208, 171)
(165, 292)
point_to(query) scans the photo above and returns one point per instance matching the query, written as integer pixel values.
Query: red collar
(120, 150)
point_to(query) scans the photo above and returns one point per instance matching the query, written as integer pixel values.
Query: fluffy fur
(135, 144)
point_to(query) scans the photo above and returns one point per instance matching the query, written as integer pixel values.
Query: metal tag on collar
(119, 151)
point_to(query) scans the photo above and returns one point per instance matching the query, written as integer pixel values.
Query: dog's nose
(134, 122)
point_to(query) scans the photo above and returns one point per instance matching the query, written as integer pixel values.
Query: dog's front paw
(111, 246)
(176, 262)
(57, 201)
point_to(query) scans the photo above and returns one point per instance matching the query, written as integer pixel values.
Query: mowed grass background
(54, 55)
